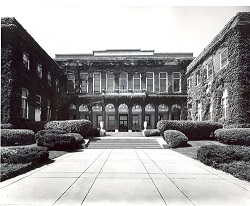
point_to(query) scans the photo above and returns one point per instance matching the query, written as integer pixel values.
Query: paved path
(125, 177)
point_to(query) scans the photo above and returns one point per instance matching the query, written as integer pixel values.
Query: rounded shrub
(237, 136)
(175, 138)
(152, 132)
(21, 155)
(82, 127)
(194, 130)
(213, 155)
(12, 137)
(79, 138)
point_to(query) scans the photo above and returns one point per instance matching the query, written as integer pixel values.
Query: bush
(238, 136)
(175, 138)
(58, 140)
(6, 126)
(82, 127)
(95, 132)
(152, 132)
(213, 155)
(36, 126)
(12, 137)
(194, 130)
(21, 155)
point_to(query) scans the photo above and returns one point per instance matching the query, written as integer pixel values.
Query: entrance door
(123, 123)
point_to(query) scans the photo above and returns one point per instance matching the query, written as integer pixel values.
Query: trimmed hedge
(238, 136)
(21, 155)
(82, 127)
(213, 155)
(12, 137)
(36, 126)
(152, 132)
(58, 140)
(94, 132)
(175, 138)
(194, 130)
(6, 126)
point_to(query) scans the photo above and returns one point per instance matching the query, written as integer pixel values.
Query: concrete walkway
(125, 177)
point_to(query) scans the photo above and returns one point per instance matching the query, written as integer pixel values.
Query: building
(124, 88)
(31, 82)
(219, 78)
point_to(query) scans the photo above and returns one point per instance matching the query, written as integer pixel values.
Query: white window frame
(165, 78)
(211, 111)
(49, 78)
(126, 89)
(95, 73)
(26, 114)
(87, 81)
(73, 80)
(25, 54)
(38, 107)
(139, 78)
(40, 71)
(111, 79)
(224, 50)
(207, 68)
(57, 85)
(224, 102)
(153, 81)
(179, 81)
(199, 108)
(197, 80)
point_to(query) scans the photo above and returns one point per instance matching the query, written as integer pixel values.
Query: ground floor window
(224, 103)
(99, 119)
(147, 119)
(111, 120)
(25, 106)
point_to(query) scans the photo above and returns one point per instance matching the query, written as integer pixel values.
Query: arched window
(83, 108)
(72, 106)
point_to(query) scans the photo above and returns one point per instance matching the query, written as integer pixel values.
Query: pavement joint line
(96, 177)
(151, 178)
(194, 162)
(77, 178)
(170, 179)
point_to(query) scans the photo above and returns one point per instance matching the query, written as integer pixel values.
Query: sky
(78, 26)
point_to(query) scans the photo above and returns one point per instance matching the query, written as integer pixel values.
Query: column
(77, 112)
(142, 116)
(130, 118)
(116, 119)
(104, 117)
(156, 115)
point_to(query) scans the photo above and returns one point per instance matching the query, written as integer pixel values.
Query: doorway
(123, 123)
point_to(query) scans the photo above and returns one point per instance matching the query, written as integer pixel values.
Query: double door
(123, 123)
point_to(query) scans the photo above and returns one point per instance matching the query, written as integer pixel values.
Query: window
(38, 108)
(111, 120)
(209, 70)
(176, 82)
(163, 81)
(150, 81)
(124, 82)
(197, 77)
(84, 82)
(57, 85)
(49, 79)
(199, 111)
(99, 119)
(137, 81)
(224, 102)
(110, 81)
(147, 119)
(189, 80)
(211, 111)
(25, 106)
(135, 121)
(26, 61)
(71, 82)
(223, 58)
(39, 71)
(48, 111)
(97, 82)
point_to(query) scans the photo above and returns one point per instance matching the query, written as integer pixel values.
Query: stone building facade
(219, 78)
(124, 88)
(32, 84)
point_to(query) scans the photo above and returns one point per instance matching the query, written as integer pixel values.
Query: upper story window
(25, 106)
(163, 81)
(123, 82)
(71, 82)
(189, 82)
(176, 82)
(224, 102)
(26, 61)
(97, 82)
(57, 85)
(199, 111)
(197, 77)
(39, 71)
(137, 81)
(84, 82)
(110, 81)
(49, 79)
(209, 69)
(223, 58)
(150, 81)
(38, 108)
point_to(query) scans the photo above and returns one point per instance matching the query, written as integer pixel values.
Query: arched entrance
(176, 112)
(123, 118)
(110, 117)
(136, 118)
